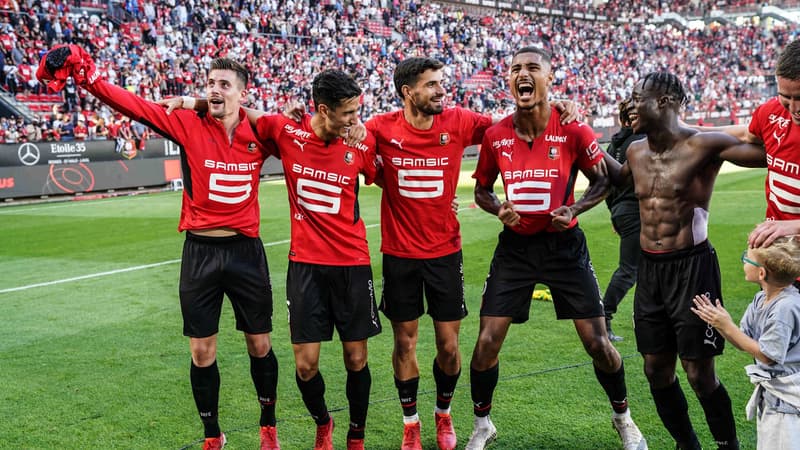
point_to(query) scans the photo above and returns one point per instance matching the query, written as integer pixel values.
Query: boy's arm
(718, 317)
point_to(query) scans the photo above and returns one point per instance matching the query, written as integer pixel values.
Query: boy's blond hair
(781, 259)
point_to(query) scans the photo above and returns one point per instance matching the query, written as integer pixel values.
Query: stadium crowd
(163, 48)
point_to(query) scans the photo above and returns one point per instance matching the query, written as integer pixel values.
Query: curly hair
(781, 259)
(668, 84)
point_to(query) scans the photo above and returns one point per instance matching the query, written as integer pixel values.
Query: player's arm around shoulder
(593, 163)
(370, 166)
(615, 170)
(268, 126)
(730, 148)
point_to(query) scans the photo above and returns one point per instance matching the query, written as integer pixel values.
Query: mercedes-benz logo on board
(28, 154)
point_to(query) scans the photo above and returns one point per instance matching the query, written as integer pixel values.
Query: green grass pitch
(92, 354)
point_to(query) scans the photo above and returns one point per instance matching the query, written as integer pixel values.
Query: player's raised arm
(73, 61)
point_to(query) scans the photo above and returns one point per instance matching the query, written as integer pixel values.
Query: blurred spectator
(163, 48)
(81, 132)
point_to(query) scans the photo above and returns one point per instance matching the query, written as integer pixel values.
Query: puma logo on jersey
(399, 143)
(778, 138)
(301, 145)
(507, 155)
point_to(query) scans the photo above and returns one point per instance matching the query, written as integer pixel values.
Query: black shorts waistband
(510, 235)
(215, 240)
(703, 247)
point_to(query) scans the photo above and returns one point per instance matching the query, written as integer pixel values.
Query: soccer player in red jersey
(420, 147)
(773, 124)
(537, 159)
(221, 157)
(329, 280)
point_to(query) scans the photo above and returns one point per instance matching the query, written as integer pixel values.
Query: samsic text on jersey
(537, 179)
(322, 183)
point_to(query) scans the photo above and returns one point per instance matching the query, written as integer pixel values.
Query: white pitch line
(127, 269)
(91, 275)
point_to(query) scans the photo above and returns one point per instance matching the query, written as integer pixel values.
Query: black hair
(546, 56)
(408, 71)
(228, 64)
(623, 106)
(667, 84)
(330, 87)
(788, 65)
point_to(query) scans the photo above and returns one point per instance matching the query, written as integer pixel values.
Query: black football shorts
(235, 266)
(665, 287)
(441, 279)
(559, 260)
(320, 297)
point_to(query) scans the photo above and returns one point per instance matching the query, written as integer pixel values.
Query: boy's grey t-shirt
(776, 327)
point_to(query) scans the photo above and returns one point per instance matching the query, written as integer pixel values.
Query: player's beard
(429, 107)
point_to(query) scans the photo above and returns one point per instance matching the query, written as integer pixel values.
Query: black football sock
(357, 388)
(614, 385)
(407, 391)
(264, 372)
(719, 416)
(445, 386)
(482, 384)
(313, 393)
(674, 413)
(205, 388)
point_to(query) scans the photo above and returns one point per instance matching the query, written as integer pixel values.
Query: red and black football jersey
(541, 177)
(322, 180)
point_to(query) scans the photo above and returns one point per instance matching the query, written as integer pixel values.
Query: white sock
(617, 415)
(482, 422)
(438, 410)
(411, 419)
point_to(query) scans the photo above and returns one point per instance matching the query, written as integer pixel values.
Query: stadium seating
(157, 50)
